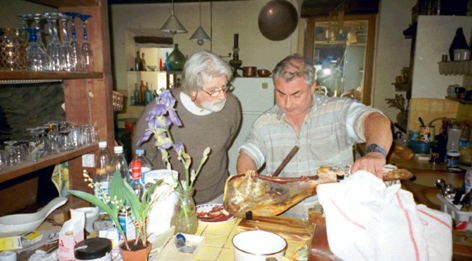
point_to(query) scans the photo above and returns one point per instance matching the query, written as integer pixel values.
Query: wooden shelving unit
(88, 97)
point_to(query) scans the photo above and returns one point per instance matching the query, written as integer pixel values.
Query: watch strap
(376, 148)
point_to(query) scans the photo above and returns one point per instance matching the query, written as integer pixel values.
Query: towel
(366, 220)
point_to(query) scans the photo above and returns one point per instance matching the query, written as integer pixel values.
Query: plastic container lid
(102, 144)
(118, 149)
(92, 248)
(140, 151)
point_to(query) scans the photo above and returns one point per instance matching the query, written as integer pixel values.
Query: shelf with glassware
(28, 166)
(87, 100)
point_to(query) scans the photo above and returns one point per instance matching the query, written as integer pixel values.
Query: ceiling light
(172, 25)
(200, 35)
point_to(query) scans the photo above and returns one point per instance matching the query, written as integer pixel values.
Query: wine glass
(66, 48)
(36, 58)
(76, 49)
(24, 18)
(87, 53)
(54, 45)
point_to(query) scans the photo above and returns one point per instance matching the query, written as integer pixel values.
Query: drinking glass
(37, 21)
(76, 49)
(94, 134)
(66, 48)
(36, 58)
(86, 135)
(11, 153)
(87, 53)
(24, 18)
(76, 136)
(2, 159)
(65, 143)
(54, 45)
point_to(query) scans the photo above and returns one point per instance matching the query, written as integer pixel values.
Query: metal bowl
(263, 73)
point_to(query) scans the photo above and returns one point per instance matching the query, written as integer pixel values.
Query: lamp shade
(200, 36)
(173, 25)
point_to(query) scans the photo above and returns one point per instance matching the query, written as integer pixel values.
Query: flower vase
(176, 60)
(185, 219)
(137, 252)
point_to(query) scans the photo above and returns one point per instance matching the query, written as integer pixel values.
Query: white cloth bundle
(368, 221)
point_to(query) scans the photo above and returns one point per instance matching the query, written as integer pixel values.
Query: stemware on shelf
(24, 18)
(87, 53)
(12, 50)
(37, 21)
(76, 48)
(36, 58)
(66, 48)
(54, 45)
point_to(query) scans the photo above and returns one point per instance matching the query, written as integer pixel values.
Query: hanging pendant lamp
(200, 35)
(173, 25)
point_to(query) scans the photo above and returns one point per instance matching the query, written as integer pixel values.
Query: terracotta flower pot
(137, 253)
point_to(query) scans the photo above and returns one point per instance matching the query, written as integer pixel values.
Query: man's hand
(372, 162)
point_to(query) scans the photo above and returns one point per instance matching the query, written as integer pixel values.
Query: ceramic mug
(258, 245)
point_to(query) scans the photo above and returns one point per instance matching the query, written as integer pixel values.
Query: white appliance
(256, 96)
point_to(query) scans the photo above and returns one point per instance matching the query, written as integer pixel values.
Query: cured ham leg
(266, 195)
(270, 196)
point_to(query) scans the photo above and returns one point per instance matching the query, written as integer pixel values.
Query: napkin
(366, 220)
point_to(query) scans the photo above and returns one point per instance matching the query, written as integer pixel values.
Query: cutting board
(288, 228)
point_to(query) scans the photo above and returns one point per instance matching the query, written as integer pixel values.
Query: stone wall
(25, 106)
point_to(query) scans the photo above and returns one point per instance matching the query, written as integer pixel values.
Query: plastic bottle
(118, 163)
(453, 138)
(465, 135)
(136, 183)
(103, 174)
(145, 164)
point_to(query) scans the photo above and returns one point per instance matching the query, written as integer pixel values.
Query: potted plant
(159, 120)
(121, 197)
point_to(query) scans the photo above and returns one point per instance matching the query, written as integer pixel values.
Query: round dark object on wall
(278, 19)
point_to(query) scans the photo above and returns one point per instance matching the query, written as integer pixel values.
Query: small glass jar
(12, 50)
(185, 219)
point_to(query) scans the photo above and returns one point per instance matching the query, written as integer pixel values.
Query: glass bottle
(143, 61)
(137, 62)
(147, 95)
(176, 60)
(118, 163)
(137, 95)
(103, 175)
(184, 218)
(142, 89)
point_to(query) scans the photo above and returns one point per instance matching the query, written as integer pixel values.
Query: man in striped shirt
(323, 128)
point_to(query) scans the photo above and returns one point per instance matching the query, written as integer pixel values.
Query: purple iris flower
(158, 110)
(167, 99)
(174, 118)
(178, 146)
(145, 137)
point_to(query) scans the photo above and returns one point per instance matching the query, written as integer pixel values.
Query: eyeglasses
(229, 87)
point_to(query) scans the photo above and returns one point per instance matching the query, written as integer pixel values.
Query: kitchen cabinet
(87, 95)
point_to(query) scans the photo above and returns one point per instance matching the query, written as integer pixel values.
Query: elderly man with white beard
(211, 117)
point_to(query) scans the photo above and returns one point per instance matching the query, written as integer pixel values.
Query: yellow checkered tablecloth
(218, 245)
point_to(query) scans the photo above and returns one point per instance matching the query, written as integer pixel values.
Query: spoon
(439, 184)
(18, 224)
(449, 190)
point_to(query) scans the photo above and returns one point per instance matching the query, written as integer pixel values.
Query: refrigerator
(256, 95)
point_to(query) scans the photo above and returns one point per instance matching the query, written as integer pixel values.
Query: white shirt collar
(191, 107)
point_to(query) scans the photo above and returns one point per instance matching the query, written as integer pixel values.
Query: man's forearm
(377, 129)
(245, 163)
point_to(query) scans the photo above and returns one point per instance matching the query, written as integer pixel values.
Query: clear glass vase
(184, 218)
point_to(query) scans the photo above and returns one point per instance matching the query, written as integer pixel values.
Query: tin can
(425, 134)
(414, 134)
(93, 249)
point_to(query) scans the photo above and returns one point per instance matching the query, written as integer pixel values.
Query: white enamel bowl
(257, 245)
(18, 224)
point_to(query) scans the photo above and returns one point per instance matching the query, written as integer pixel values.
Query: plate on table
(213, 214)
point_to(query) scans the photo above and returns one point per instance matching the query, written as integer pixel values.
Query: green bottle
(137, 96)
(147, 95)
